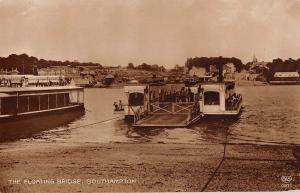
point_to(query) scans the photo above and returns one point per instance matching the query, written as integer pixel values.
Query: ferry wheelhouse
(220, 99)
(137, 100)
(21, 101)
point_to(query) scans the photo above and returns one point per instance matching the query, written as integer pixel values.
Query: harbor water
(270, 116)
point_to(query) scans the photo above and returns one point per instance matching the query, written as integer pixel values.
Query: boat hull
(4, 118)
(284, 82)
(23, 126)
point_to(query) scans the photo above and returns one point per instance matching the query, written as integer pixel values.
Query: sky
(164, 32)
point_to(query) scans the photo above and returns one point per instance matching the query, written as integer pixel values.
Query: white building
(198, 71)
(286, 75)
(229, 68)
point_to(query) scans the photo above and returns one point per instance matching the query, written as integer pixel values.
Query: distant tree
(29, 64)
(207, 62)
(130, 66)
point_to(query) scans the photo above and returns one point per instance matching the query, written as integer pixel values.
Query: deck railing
(138, 113)
(170, 107)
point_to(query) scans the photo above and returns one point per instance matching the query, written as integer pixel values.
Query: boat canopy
(2, 95)
(37, 89)
(130, 89)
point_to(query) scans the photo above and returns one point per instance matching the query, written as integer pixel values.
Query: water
(271, 116)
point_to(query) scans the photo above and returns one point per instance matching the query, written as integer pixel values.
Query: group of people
(184, 95)
(233, 99)
(118, 106)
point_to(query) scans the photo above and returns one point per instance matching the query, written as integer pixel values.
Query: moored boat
(29, 101)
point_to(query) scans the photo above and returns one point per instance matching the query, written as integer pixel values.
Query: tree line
(279, 65)
(147, 67)
(26, 64)
(206, 62)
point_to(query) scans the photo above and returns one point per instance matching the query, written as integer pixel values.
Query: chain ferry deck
(23, 96)
(179, 105)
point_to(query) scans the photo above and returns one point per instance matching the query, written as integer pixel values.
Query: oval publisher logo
(286, 179)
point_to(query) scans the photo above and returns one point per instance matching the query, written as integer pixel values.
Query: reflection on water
(271, 115)
(23, 129)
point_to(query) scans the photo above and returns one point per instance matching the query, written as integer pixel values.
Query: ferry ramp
(180, 114)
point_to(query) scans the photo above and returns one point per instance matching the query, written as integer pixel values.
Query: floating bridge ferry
(32, 96)
(178, 105)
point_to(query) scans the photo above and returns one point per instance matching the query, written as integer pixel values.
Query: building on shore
(285, 78)
(198, 71)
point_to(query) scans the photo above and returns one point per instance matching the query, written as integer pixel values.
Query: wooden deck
(163, 121)
(170, 115)
(167, 121)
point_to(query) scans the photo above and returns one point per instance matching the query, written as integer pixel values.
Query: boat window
(136, 99)
(8, 105)
(44, 102)
(67, 99)
(60, 100)
(33, 103)
(23, 104)
(52, 101)
(211, 98)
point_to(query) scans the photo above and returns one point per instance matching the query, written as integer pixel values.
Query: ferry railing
(171, 108)
(194, 113)
(138, 113)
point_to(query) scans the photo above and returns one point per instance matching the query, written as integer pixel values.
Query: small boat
(119, 108)
(121, 111)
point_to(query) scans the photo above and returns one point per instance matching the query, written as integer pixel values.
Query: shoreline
(150, 167)
(238, 83)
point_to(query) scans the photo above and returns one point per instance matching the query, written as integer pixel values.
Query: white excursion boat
(32, 96)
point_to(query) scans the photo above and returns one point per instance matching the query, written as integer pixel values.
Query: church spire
(254, 58)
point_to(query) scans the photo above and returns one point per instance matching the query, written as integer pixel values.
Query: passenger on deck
(232, 100)
(190, 95)
(178, 96)
(116, 106)
(120, 105)
(183, 95)
(174, 96)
